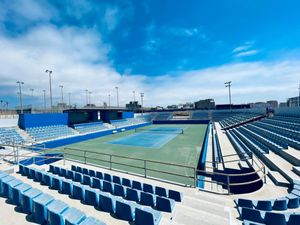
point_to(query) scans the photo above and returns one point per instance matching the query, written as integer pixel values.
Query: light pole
(228, 84)
(86, 96)
(117, 89)
(44, 99)
(6, 106)
(142, 101)
(90, 97)
(62, 93)
(20, 90)
(50, 87)
(69, 99)
(109, 100)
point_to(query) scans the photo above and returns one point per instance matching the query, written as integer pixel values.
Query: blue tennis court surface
(149, 138)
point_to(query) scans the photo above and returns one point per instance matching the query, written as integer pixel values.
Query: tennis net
(164, 130)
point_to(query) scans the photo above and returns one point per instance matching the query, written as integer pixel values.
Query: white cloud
(110, 18)
(245, 50)
(247, 53)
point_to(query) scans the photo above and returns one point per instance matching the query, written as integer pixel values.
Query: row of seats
(43, 207)
(90, 127)
(160, 191)
(163, 116)
(116, 189)
(122, 209)
(294, 120)
(284, 124)
(10, 136)
(263, 211)
(120, 123)
(50, 132)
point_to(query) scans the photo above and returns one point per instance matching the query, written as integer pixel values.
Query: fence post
(265, 177)
(145, 167)
(195, 177)
(228, 185)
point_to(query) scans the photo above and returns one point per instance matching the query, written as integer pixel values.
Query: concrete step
(278, 179)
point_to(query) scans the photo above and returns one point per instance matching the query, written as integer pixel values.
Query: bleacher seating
(10, 136)
(50, 132)
(163, 116)
(280, 211)
(43, 207)
(90, 127)
(99, 193)
(129, 122)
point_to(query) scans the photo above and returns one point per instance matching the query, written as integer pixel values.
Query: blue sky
(173, 51)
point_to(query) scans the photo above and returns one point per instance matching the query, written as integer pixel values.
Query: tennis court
(151, 157)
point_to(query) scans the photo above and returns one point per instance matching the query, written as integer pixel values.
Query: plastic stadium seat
(73, 168)
(274, 219)
(66, 187)
(119, 190)
(78, 191)
(175, 195)
(3, 174)
(5, 179)
(15, 193)
(79, 169)
(91, 221)
(21, 169)
(47, 179)
(27, 197)
(107, 177)
(31, 174)
(145, 217)
(56, 183)
(26, 171)
(55, 209)
(148, 188)
(251, 214)
(56, 170)
(96, 183)
(244, 203)
(99, 175)
(296, 192)
(124, 211)
(164, 204)
(293, 202)
(247, 222)
(264, 205)
(70, 174)
(107, 203)
(39, 207)
(161, 191)
(107, 187)
(85, 171)
(63, 172)
(137, 185)
(116, 179)
(126, 182)
(39, 175)
(92, 173)
(147, 199)
(78, 177)
(91, 197)
(133, 195)
(73, 216)
(294, 219)
(7, 185)
(86, 180)
(280, 204)
(51, 168)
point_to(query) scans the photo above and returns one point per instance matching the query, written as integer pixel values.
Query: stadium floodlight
(142, 101)
(69, 99)
(50, 87)
(117, 88)
(62, 93)
(90, 93)
(86, 96)
(44, 99)
(228, 84)
(20, 94)
(109, 100)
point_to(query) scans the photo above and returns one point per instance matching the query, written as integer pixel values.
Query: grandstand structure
(239, 166)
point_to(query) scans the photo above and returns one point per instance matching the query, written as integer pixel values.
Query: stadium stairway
(243, 122)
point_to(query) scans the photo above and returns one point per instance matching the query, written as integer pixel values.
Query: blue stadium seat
(39, 207)
(91, 197)
(99, 175)
(73, 168)
(79, 169)
(132, 194)
(161, 191)
(264, 205)
(137, 185)
(124, 210)
(164, 204)
(31, 174)
(56, 183)
(107, 177)
(26, 171)
(5, 179)
(51, 168)
(147, 199)
(294, 219)
(47, 179)
(7, 184)
(73, 216)
(107, 186)
(56, 170)
(293, 202)
(66, 187)
(280, 204)
(175, 195)
(251, 215)
(55, 211)
(244, 203)
(86, 180)
(91, 221)
(15, 193)
(119, 190)
(148, 188)
(272, 218)
(78, 177)
(146, 217)
(107, 203)
(27, 197)
(126, 182)
(96, 183)
(21, 169)
(85, 171)
(70, 174)
(116, 179)
(39, 175)
(78, 191)
(63, 172)
(92, 173)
